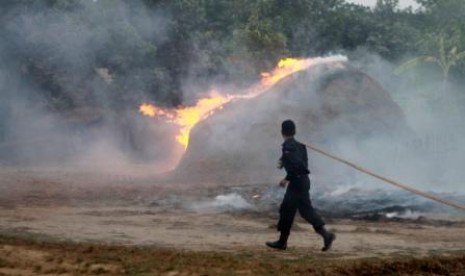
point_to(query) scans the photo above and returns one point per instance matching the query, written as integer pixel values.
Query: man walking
(295, 162)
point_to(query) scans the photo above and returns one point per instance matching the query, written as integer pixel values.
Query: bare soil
(71, 222)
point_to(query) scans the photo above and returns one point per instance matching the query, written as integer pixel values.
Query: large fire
(187, 117)
(285, 68)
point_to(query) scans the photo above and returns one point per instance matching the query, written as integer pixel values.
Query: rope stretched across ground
(390, 181)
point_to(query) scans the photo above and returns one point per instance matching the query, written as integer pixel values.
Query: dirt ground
(52, 215)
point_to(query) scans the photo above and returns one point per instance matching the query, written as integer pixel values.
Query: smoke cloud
(425, 152)
(96, 124)
(430, 156)
(66, 97)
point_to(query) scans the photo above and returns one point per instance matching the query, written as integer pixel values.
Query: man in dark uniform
(295, 162)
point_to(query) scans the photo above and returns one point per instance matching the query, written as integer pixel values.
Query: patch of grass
(4, 263)
(37, 268)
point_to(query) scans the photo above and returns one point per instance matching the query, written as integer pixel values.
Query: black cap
(288, 128)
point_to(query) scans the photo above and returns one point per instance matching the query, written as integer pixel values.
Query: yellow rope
(385, 179)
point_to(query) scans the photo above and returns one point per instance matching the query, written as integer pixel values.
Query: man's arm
(305, 156)
(283, 183)
(284, 159)
(280, 166)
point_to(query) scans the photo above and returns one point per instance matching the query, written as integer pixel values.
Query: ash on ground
(354, 203)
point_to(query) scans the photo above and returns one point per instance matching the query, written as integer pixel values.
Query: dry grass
(28, 257)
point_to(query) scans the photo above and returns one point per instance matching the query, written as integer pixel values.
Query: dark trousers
(297, 197)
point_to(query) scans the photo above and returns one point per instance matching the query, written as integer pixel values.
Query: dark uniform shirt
(297, 197)
(294, 159)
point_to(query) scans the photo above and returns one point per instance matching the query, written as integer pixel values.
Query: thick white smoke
(428, 158)
(431, 155)
(84, 125)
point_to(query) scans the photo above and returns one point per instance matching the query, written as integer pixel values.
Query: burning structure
(331, 102)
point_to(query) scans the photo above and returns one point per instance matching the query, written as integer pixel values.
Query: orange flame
(285, 68)
(187, 117)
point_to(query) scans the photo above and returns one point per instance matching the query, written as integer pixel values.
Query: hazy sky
(371, 3)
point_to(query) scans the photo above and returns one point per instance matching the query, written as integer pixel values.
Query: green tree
(445, 57)
(391, 34)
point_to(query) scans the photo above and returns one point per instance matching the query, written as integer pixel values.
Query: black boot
(328, 238)
(280, 244)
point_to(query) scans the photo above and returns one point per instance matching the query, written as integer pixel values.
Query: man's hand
(283, 183)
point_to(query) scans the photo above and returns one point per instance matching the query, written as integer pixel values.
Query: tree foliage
(153, 49)
(445, 57)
